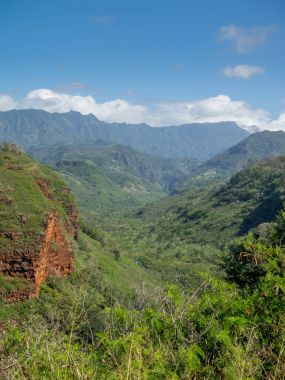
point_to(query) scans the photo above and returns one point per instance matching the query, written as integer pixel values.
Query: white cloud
(7, 103)
(214, 109)
(245, 40)
(116, 110)
(276, 125)
(243, 71)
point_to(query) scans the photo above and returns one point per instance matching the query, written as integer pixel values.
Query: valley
(153, 235)
(167, 217)
(157, 212)
(142, 190)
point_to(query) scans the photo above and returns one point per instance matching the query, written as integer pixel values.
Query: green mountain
(250, 197)
(36, 128)
(255, 147)
(110, 319)
(116, 315)
(182, 234)
(120, 164)
(39, 225)
(109, 179)
(177, 236)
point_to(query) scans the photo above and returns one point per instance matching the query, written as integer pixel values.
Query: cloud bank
(214, 109)
(116, 110)
(243, 71)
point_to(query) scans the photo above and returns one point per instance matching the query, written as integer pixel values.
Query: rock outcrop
(38, 240)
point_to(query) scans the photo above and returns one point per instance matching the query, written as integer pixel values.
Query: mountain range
(34, 128)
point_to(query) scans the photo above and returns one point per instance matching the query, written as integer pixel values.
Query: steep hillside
(120, 164)
(34, 128)
(79, 329)
(106, 179)
(182, 235)
(38, 221)
(99, 257)
(99, 197)
(251, 197)
(255, 147)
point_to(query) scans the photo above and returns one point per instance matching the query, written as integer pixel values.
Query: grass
(122, 275)
(10, 284)
(96, 323)
(24, 208)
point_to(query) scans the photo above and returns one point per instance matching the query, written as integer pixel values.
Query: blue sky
(148, 53)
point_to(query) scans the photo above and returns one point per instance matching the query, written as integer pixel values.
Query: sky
(162, 62)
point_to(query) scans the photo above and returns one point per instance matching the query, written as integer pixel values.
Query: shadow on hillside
(266, 211)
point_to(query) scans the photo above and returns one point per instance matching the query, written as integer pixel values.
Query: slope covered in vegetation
(121, 164)
(251, 197)
(113, 179)
(256, 147)
(103, 184)
(38, 221)
(176, 237)
(227, 329)
(119, 316)
(183, 234)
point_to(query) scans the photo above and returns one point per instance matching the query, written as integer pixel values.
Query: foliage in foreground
(227, 329)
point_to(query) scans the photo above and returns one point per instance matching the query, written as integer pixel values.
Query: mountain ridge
(35, 128)
(256, 147)
(115, 159)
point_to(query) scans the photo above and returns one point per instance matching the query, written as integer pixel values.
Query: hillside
(183, 234)
(251, 197)
(80, 328)
(177, 236)
(118, 314)
(120, 164)
(39, 226)
(255, 147)
(38, 221)
(36, 128)
(110, 178)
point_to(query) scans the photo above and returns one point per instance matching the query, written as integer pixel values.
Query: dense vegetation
(181, 235)
(111, 180)
(162, 288)
(247, 199)
(255, 147)
(104, 185)
(37, 128)
(121, 164)
(176, 237)
(28, 193)
(226, 329)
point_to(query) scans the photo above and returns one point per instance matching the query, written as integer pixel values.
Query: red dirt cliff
(33, 248)
(55, 256)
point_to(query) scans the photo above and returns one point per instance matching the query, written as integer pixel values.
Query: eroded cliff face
(55, 255)
(39, 240)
